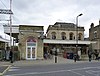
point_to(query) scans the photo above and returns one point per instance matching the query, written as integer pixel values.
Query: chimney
(92, 25)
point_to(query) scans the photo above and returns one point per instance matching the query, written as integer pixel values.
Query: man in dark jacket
(75, 57)
(11, 56)
(90, 55)
(96, 53)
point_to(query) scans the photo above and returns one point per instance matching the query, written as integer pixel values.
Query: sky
(47, 12)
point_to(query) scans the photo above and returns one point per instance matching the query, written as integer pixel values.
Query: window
(53, 35)
(95, 34)
(80, 36)
(63, 35)
(71, 36)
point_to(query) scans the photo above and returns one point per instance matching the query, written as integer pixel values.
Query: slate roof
(63, 24)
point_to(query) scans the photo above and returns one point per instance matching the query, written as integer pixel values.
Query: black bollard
(56, 56)
(55, 59)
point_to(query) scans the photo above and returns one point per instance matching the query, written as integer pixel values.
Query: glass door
(33, 52)
(30, 53)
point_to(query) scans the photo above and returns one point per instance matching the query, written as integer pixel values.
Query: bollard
(55, 59)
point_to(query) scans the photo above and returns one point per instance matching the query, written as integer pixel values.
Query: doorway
(30, 53)
(31, 48)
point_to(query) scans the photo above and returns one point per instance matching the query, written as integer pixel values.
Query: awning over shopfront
(50, 41)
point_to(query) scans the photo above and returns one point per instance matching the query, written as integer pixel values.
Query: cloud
(47, 12)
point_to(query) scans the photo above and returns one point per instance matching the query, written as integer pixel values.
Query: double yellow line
(1, 74)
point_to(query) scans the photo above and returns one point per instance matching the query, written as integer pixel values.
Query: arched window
(80, 36)
(53, 35)
(71, 36)
(95, 34)
(63, 35)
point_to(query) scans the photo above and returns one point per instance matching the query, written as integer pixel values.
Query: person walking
(96, 54)
(75, 57)
(11, 56)
(51, 54)
(90, 55)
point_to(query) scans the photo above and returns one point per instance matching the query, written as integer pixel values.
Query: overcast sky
(47, 12)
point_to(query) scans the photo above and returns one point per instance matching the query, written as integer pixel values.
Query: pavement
(5, 65)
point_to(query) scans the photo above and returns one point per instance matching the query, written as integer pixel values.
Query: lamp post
(77, 31)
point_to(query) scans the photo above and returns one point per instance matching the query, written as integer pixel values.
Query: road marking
(38, 73)
(86, 68)
(5, 69)
(1, 74)
(13, 67)
(93, 72)
(48, 72)
(77, 73)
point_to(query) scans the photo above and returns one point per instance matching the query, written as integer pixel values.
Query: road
(73, 69)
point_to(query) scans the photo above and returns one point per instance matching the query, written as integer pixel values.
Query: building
(30, 42)
(63, 36)
(29, 38)
(94, 35)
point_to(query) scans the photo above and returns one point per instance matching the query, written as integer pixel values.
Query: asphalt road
(2, 68)
(73, 69)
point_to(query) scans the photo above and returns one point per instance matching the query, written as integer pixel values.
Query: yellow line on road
(1, 74)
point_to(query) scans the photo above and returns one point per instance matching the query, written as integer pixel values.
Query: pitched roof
(64, 24)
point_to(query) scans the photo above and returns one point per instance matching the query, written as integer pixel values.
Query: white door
(30, 53)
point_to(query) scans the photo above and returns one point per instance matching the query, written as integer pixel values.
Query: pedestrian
(75, 57)
(7, 53)
(11, 56)
(51, 54)
(90, 55)
(96, 54)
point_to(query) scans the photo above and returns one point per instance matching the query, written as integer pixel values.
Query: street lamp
(77, 31)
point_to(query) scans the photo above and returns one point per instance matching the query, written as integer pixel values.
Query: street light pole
(10, 24)
(77, 31)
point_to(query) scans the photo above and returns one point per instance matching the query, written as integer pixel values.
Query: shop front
(65, 47)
